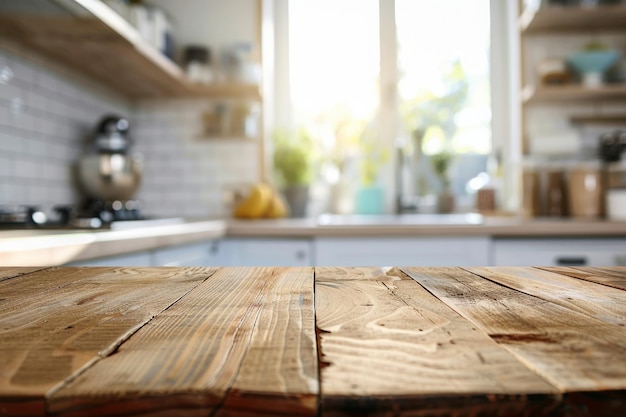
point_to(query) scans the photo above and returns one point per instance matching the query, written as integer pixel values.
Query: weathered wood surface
(598, 301)
(56, 322)
(188, 358)
(390, 346)
(280, 365)
(573, 351)
(12, 272)
(613, 277)
(226, 342)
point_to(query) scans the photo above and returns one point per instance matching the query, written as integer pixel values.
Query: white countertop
(425, 225)
(57, 247)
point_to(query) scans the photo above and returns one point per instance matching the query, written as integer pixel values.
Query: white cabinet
(403, 251)
(132, 259)
(550, 251)
(207, 253)
(269, 252)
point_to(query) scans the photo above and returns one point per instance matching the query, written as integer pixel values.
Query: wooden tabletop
(313, 341)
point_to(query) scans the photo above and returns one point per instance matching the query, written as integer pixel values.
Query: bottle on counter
(554, 192)
(616, 190)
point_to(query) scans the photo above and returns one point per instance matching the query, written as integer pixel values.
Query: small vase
(297, 196)
(370, 200)
(445, 202)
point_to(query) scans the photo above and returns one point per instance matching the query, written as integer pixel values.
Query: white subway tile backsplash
(12, 193)
(4, 113)
(6, 164)
(9, 91)
(39, 143)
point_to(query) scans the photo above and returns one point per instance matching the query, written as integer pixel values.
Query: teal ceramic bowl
(586, 62)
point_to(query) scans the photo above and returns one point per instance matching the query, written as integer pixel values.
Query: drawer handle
(571, 261)
(300, 255)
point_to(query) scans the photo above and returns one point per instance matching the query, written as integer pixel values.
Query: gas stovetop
(96, 215)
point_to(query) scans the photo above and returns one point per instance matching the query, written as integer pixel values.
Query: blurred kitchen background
(402, 106)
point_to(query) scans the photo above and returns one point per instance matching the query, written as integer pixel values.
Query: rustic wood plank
(382, 274)
(187, 358)
(48, 280)
(613, 277)
(279, 374)
(8, 272)
(55, 323)
(390, 346)
(573, 351)
(598, 301)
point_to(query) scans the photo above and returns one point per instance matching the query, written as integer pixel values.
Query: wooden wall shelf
(613, 119)
(532, 94)
(103, 46)
(225, 90)
(609, 18)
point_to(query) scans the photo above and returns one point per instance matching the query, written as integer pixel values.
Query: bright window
(443, 67)
(334, 65)
(442, 78)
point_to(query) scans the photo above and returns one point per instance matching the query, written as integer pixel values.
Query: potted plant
(293, 166)
(441, 164)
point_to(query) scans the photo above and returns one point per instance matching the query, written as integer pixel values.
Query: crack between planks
(21, 274)
(584, 279)
(318, 341)
(115, 346)
(506, 287)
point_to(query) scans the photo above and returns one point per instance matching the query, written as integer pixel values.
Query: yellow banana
(256, 204)
(277, 208)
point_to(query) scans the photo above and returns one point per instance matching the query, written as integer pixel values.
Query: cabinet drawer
(132, 259)
(411, 251)
(565, 252)
(269, 252)
(195, 254)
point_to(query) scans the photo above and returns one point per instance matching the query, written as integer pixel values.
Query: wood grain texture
(80, 42)
(382, 274)
(571, 350)
(392, 346)
(613, 277)
(12, 272)
(187, 358)
(598, 301)
(279, 373)
(57, 322)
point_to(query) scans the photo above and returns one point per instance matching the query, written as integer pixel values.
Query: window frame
(504, 91)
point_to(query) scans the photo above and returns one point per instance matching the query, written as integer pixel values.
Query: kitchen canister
(616, 204)
(585, 191)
